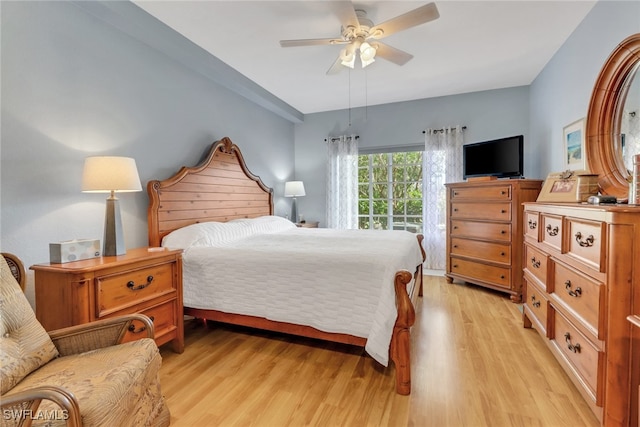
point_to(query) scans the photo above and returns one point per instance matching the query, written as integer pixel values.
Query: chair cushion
(24, 344)
(114, 386)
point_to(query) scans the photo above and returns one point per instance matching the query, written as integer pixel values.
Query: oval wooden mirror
(603, 136)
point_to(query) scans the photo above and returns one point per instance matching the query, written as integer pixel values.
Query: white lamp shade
(103, 174)
(294, 189)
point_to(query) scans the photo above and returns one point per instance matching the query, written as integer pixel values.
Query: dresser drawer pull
(503, 211)
(533, 224)
(535, 263)
(573, 347)
(535, 303)
(131, 285)
(588, 242)
(576, 293)
(552, 231)
(133, 330)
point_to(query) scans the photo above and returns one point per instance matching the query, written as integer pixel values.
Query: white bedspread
(333, 280)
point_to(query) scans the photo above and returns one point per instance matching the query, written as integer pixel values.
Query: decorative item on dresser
(484, 232)
(581, 277)
(145, 280)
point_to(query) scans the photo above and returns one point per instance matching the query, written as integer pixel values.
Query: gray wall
(561, 92)
(74, 85)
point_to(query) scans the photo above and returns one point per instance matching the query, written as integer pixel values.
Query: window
(390, 191)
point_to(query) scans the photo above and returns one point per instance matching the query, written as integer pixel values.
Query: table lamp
(105, 174)
(294, 189)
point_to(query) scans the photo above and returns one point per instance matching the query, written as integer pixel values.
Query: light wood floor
(473, 365)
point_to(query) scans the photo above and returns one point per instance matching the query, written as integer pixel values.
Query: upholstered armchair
(77, 376)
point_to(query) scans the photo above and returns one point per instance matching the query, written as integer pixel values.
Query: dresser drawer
(536, 262)
(499, 276)
(537, 305)
(481, 230)
(489, 251)
(582, 295)
(582, 354)
(490, 211)
(128, 288)
(585, 242)
(163, 318)
(532, 225)
(551, 231)
(501, 192)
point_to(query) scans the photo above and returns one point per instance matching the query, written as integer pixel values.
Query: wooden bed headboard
(220, 189)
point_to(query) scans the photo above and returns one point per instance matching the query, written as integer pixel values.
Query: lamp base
(294, 211)
(113, 243)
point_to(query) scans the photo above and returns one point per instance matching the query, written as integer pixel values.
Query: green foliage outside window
(390, 191)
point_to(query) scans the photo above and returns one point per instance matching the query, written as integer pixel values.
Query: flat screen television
(501, 158)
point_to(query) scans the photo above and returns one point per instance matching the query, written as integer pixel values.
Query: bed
(243, 265)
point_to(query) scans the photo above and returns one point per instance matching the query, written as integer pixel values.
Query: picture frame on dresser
(573, 143)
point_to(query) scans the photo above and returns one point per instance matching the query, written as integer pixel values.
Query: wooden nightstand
(142, 281)
(308, 224)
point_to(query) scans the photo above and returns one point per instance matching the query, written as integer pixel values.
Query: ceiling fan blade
(346, 13)
(421, 15)
(392, 54)
(336, 67)
(310, 42)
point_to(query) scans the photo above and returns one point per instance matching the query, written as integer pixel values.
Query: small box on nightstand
(73, 250)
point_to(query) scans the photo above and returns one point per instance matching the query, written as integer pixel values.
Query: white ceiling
(474, 45)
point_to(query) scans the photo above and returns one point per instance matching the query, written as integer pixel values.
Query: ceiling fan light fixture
(367, 54)
(348, 57)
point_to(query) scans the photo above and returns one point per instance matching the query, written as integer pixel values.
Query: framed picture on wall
(574, 150)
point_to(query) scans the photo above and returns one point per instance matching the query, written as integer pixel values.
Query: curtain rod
(337, 138)
(442, 129)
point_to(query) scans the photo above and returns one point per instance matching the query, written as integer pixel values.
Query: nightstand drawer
(125, 289)
(163, 318)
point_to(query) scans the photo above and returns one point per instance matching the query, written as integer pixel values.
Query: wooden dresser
(484, 232)
(582, 274)
(142, 281)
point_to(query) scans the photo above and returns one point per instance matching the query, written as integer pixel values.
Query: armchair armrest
(22, 407)
(98, 334)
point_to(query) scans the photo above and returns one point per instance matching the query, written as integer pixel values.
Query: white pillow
(267, 224)
(211, 234)
(205, 234)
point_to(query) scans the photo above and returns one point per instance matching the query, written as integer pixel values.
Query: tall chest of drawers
(582, 275)
(484, 232)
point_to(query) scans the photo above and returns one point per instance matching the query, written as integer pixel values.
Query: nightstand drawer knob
(131, 285)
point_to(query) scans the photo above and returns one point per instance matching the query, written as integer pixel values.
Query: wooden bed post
(401, 339)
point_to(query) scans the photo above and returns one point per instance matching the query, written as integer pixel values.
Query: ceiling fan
(358, 33)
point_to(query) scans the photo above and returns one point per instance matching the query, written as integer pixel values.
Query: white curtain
(342, 182)
(443, 164)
